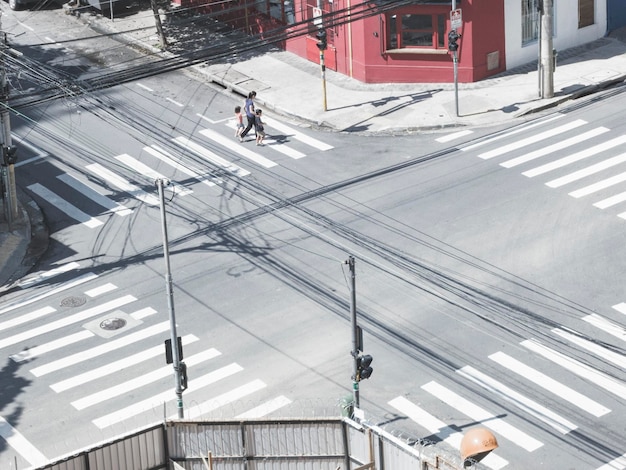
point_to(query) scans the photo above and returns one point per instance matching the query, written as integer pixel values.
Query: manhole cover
(112, 324)
(73, 301)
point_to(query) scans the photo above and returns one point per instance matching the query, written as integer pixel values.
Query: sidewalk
(291, 86)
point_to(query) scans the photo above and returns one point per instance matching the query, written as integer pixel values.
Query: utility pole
(9, 158)
(322, 45)
(546, 8)
(159, 26)
(180, 369)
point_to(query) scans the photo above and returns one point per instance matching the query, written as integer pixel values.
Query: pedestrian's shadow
(412, 99)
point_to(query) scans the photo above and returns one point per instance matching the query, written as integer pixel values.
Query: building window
(412, 30)
(281, 10)
(530, 21)
(586, 13)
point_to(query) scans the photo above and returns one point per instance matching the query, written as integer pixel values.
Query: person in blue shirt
(250, 114)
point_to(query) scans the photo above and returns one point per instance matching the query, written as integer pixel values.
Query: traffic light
(363, 369)
(453, 37)
(183, 376)
(322, 43)
(9, 154)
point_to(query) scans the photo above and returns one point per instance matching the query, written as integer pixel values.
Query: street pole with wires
(173, 351)
(9, 157)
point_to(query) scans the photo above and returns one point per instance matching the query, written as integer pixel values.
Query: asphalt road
(488, 284)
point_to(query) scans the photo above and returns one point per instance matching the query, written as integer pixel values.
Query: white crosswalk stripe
(531, 140)
(64, 206)
(440, 429)
(548, 383)
(187, 169)
(481, 415)
(122, 184)
(143, 169)
(531, 407)
(210, 156)
(87, 190)
(236, 147)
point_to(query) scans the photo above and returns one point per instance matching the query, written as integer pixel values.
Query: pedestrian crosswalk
(521, 379)
(594, 171)
(122, 376)
(206, 157)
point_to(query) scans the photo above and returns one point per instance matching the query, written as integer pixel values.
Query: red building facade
(408, 44)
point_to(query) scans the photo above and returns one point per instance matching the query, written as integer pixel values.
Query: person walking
(238, 123)
(259, 127)
(250, 114)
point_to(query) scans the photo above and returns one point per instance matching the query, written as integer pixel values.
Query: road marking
(441, 429)
(224, 399)
(93, 194)
(600, 185)
(588, 152)
(65, 321)
(37, 351)
(265, 408)
(318, 144)
(531, 140)
(145, 170)
(485, 418)
(454, 136)
(27, 317)
(68, 285)
(23, 447)
(115, 366)
(621, 307)
(616, 464)
(507, 134)
(554, 147)
(175, 102)
(167, 158)
(64, 206)
(590, 170)
(606, 325)
(82, 356)
(605, 353)
(582, 370)
(611, 201)
(236, 147)
(548, 383)
(140, 381)
(531, 407)
(48, 274)
(103, 289)
(274, 144)
(157, 400)
(210, 156)
(141, 85)
(123, 184)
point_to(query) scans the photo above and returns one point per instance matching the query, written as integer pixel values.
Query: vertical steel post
(355, 332)
(8, 169)
(170, 303)
(455, 60)
(547, 53)
(323, 66)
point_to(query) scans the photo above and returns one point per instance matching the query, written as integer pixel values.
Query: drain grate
(113, 324)
(73, 301)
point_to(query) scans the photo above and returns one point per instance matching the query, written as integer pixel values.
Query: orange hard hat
(477, 443)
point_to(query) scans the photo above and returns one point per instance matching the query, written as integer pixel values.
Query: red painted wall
(359, 50)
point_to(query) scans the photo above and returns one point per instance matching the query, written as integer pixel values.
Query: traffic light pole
(179, 367)
(323, 66)
(355, 333)
(455, 65)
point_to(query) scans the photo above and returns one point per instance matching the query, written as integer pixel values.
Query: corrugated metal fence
(304, 444)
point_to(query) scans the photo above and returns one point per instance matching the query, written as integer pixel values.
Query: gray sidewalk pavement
(292, 87)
